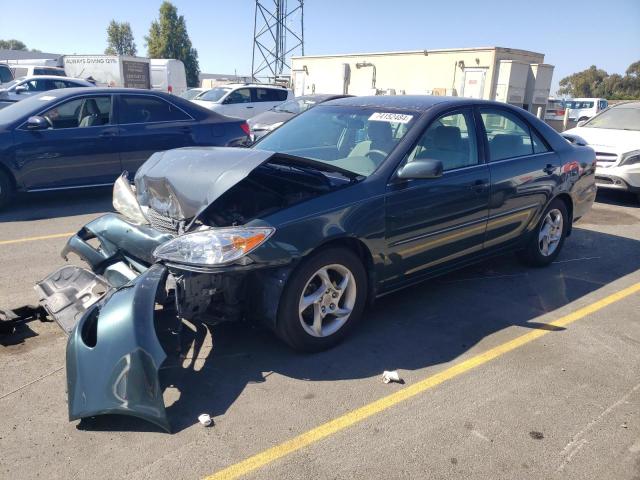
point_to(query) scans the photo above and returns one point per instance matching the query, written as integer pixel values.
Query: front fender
(114, 355)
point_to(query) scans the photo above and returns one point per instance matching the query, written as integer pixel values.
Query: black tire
(289, 322)
(6, 190)
(533, 255)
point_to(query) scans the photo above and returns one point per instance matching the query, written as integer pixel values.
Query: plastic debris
(205, 420)
(392, 376)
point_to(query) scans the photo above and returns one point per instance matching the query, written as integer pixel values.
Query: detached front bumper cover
(114, 355)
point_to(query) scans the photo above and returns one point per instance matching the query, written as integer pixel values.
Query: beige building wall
(414, 72)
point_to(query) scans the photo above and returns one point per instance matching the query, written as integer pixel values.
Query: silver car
(24, 87)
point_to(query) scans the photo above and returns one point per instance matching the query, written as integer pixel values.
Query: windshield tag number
(390, 117)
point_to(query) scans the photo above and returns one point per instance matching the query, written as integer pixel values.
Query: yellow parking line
(355, 416)
(33, 239)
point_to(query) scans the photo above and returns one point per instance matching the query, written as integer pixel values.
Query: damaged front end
(183, 242)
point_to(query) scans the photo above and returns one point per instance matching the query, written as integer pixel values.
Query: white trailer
(110, 70)
(168, 75)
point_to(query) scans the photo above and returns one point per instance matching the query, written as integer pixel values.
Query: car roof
(408, 102)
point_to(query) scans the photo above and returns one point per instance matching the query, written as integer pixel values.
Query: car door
(78, 149)
(238, 104)
(432, 222)
(150, 124)
(524, 171)
(267, 98)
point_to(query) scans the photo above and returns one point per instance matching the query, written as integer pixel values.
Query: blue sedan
(79, 137)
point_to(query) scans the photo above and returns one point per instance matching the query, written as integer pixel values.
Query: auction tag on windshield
(390, 117)
(46, 98)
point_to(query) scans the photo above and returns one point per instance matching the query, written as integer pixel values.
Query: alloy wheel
(327, 300)
(550, 232)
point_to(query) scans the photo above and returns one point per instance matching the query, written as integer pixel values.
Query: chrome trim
(70, 187)
(466, 224)
(511, 159)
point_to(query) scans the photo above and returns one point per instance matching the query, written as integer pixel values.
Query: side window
(36, 85)
(59, 84)
(508, 136)
(242, 95)
(450, 139)
(147, 109)
(539, 145)
(80, 112)
(270, 95)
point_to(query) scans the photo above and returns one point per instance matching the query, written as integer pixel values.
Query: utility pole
(278, 32)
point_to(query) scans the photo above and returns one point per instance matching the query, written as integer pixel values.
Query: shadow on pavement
(617, 197)
(428, 324)
(67, 203)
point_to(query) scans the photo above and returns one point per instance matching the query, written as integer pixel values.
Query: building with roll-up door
(510, 75)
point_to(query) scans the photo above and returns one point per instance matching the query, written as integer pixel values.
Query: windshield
(619, 118)
(578, 104)
(352, 138)
(191, 94)
(214, 94)
(297, 105)
(29, 105)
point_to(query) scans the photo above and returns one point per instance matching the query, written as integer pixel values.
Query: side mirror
(581, 123)
(422, 168)
(37, 123)
(20, 89)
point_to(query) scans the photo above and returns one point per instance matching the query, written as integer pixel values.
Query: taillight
(245, 128)
(170, 89)
(561, 112)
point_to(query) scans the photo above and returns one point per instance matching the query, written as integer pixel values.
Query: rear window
(48, 71)
(147, 109)
(576, 104)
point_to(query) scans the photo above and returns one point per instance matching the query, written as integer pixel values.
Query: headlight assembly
(630, 158)
(212, 247)
(125, 202)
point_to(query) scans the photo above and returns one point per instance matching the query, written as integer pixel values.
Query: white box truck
(168, 75)
(110, 70)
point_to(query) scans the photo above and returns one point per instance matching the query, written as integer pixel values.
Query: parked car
(22, 70)
(168, 75)
(584, 108)
(555, 109)
(615, 136)
(22, 88)
(193, 93)
(6, 75)
(80, 137)
(348, 201)
(267, 121)
(243, 100)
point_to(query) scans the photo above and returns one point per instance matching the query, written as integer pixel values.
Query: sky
(572, 34)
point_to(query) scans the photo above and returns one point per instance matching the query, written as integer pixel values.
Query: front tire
(322, 301)
(6, 190)
(548, 238)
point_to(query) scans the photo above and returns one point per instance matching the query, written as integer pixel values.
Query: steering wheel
(382, 155)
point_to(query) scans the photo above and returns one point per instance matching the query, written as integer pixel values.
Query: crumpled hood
(181, 183)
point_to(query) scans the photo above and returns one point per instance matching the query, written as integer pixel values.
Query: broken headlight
(125, 202)
(215, 246)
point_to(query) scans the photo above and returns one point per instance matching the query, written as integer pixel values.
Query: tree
(12, 45)
(120, 39)
(594, 82)
(168, 38)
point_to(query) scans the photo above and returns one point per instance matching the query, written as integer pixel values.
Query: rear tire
(322, 301)
(548, 237)
(6, 190)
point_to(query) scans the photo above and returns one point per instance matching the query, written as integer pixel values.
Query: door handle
(186, 129)
(549, 169)
(478, 186)
(109, 134)
(249, 107)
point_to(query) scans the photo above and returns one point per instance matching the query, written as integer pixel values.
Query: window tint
(239, 96)
(508, 136)
(270, 95)
(59, 84)
(36, 85)
(146, 109)
(80, 112)
(450, 139)
(5, 74)
(539, 145)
